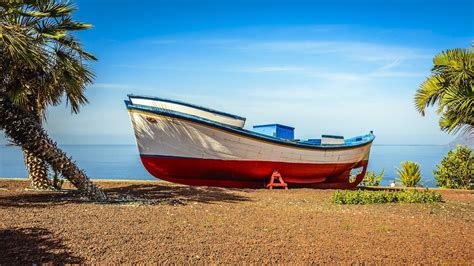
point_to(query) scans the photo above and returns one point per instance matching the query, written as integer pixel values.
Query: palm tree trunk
(36, 167)
(22, 128)
(37, 171)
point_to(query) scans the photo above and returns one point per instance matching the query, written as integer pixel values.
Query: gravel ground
(181, 224)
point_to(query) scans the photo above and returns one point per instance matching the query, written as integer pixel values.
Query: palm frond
(40, 55)
(429, 93)
(451, 87)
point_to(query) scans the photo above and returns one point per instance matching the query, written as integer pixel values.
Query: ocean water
(123, 162)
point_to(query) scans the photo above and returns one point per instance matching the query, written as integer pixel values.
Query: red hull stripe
(247, 174)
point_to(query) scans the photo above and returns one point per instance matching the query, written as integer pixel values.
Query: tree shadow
(131, 194)
(37, 199)
(177, 194)
(33, 246)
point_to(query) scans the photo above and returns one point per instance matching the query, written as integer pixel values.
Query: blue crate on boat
(276, 130)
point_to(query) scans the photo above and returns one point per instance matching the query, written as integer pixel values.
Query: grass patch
(385, 196)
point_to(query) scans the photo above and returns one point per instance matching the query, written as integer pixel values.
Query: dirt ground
(181, 224)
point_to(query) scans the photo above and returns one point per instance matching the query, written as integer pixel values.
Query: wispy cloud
(366, 51)
(186, 67)
(391, 65)
(360, 50)
(385, 71)
(281, 50)
(307, 71)
(396, 74)
(272, 69)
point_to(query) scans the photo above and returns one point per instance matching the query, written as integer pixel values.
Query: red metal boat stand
(281, 183)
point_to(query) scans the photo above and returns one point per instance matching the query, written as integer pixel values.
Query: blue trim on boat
(186, 104)
(159, 111)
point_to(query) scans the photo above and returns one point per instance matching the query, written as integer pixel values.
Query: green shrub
(372, 179)
(409, 175)
(385, 196)
(456, 170)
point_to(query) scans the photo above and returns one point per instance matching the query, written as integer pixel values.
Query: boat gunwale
(187, 104)
(243, 132)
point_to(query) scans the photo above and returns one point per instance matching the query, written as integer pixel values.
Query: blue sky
(335, 67)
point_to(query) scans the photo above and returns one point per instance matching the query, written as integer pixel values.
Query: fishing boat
(189, 144)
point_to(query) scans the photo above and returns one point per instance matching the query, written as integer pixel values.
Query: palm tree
(48, 91)
(451, 86)
(40, 62)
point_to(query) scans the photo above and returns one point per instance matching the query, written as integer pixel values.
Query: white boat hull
(188, 151)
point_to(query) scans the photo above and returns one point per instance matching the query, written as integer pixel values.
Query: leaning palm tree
(49, 89)
(451, 86)
(40, 62)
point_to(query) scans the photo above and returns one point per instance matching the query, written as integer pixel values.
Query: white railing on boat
(195, 110)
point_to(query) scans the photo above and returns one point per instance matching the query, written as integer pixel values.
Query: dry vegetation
(183, 224)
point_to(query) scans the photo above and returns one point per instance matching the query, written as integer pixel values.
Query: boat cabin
(288, 133)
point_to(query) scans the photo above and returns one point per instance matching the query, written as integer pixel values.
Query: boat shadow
(26, 246)
(177, 194)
